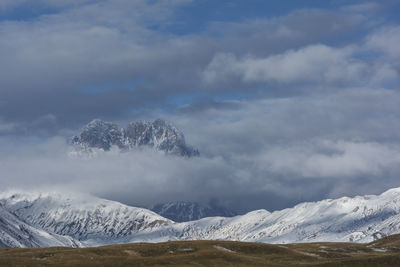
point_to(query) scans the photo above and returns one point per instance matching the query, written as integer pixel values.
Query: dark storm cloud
(53, 59)
(49, 61)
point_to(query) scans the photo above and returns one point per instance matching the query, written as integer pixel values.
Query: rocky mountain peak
(100, 134)
(161, 135)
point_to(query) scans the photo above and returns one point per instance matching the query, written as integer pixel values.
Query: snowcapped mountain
(184, 211)
(54, 219)
(159, 134)
(80, 217)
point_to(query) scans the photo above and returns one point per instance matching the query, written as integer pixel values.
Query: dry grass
(384, 252)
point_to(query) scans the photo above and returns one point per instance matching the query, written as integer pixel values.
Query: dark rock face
(190, 211)
(159, 134)
(100, 134)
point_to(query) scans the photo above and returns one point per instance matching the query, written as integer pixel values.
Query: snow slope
(80, 217)
(16, 233)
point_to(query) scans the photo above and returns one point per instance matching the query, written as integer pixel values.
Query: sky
(287, 101)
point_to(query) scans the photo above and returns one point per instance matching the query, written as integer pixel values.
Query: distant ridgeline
(184, 211)
(161, 135)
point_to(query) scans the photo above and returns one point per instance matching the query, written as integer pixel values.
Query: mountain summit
(159, 134)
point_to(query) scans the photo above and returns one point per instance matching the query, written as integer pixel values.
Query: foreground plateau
(383, 252)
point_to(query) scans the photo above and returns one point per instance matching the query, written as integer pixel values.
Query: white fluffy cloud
(145, 177)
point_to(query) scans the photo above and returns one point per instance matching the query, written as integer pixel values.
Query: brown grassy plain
(383, 252)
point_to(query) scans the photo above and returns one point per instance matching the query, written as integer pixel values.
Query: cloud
(385, 40)
(283, 109)
(265, 37)
(10, 3)
(6, 127)
(332, 159)
(338, 140)
(143, 178)
(316, 64)
(62, 4)
(121, 49)
(363, 7)
(269, 153)
(353, 114)
(52, 59)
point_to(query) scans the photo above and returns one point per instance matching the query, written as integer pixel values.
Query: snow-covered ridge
(80, 217)
(358, 219)
(90, 221)
(160, 135)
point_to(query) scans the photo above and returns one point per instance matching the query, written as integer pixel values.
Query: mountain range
(78, 220)
(159, 134)
(54, 219)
